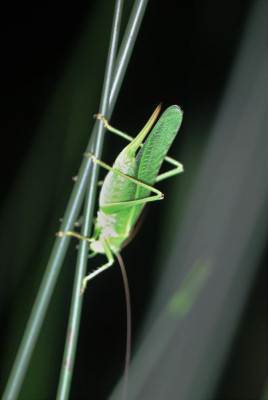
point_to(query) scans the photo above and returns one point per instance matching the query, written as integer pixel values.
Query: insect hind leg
(102, 268)
(95, 273)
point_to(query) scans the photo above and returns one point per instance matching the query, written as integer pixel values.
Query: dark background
(53, 60)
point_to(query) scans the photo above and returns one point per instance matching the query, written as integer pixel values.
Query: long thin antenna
(128, 309)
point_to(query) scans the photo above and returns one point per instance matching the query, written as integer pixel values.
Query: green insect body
(128, 186)
(115, 222)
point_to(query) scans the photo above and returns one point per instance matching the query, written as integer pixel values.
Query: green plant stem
(76, 304)
(71, 214)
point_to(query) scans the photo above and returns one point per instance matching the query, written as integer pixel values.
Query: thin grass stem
(76, 304)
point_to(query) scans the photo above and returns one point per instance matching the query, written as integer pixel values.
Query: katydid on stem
(129, 182)
(127, 188)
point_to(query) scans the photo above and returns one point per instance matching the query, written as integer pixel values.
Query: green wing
(156, 147)
(151, 156)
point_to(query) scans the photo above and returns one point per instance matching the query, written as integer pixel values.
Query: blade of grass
(76, 304)
(71, 214)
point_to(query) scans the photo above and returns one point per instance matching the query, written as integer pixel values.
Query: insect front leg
(145, 129)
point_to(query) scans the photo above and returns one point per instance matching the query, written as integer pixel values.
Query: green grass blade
(76, 305)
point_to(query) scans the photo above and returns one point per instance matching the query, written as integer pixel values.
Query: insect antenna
(128, 309)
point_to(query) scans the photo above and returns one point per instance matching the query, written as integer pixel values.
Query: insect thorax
(111, 230)
(97, 247)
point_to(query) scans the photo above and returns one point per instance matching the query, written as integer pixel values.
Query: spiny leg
(95, 273)
(102, 268)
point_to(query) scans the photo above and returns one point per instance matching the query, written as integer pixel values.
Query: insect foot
(83, 288)
(100, 117)
(59, 234)
(88, 154)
